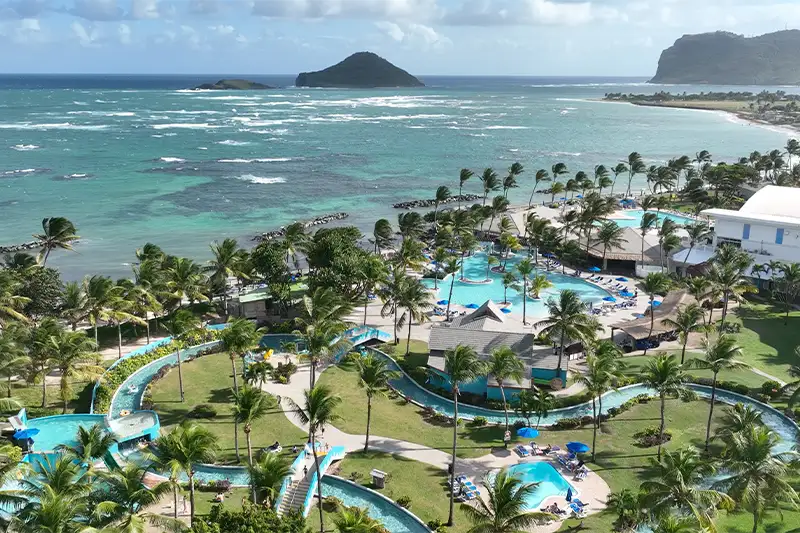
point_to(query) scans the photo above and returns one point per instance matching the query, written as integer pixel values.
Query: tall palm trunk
(530, 202)
(683, 348)
(408, 338)
(724, 310)
(524, 299)
(8, 387)
(319, 482)
(369, 420)
(96, 343)
(711, 408)
(119, 340)
(450, 297)
(594, 427)
(450, 518)
(505, 410)
(366, 303)
(755, 520)
(652, 325)
(63, 393)
(233, 371)
(661, 426)
(147, 326)
(560, 356)
(247, 430)
(44, 386)
(191, 496)
(180, 375)
(174, 498)
(396, 339)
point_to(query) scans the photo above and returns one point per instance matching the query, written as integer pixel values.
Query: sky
(445, 37)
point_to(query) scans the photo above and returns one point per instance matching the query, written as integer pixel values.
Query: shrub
(797, 413)
(733, 387)
(569, 401)
(763, 398)
(283, 372)
(437, 526)
(642, 398)
(586, 420)
(222, 485)
(614, 411)
(355, 476)
(331, 504)
(567, 423)
(731, 327)
(771, 389)
(202, 410)
(649, 437)
(404, 502)
(479, 421)
(518, 424)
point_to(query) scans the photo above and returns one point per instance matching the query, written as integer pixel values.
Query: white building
(767, 226)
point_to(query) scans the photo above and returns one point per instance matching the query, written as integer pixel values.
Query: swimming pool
(475, 269)
(634, 219)
(60, 429)
(394, 518)
(550, 480)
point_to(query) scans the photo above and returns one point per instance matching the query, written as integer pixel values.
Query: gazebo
(639, 329)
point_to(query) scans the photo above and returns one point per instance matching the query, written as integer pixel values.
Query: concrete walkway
(593, 490)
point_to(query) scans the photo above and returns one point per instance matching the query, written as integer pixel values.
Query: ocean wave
(506, 128)
(278, 131)
(79, 103)
(103, 113)
(185, 112)
(618, 84)
(563, 154)
(256, 160)
(229, 97)
(171, 159)
(231, 142)
(24, 171)
(72, 177)
(184, 125)
(55, 126)
(260, 180)
(202, 148)
(279, 122)
(25, 147)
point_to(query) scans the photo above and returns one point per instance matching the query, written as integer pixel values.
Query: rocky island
(723, 58)
(233, 85)
(363, 70)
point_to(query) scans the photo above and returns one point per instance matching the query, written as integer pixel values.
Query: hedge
(116, 376)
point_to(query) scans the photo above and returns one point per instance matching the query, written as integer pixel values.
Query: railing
(301, 457)
(335, 453)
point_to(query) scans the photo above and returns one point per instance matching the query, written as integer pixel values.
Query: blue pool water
(60, 429)
(550, 480)
(635, 219)
(274, 341)
(475, 269)
(395, 519)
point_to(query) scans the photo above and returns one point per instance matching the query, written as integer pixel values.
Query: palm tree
(100, 291)
(318, 410)
(462, 365)
(602, 369)
(356, 520)
(416, 299)
(538, 284)
(442, 195)
(525, 268)
(294, 238)
(249, 406)
(509, 282)
(610, 235)
(490, 183)
(558, 170)
(126, 500)
(689, 319)
(702, 157)
(649, 221)
(90, 446)
(266, 477)
(732, 284)
(498, 207)
(680, 474)
(635, 166)
(119, 312)
(226, 257)
(463, 177)
(788, 286)
(178, 325)
(567, 320)
(506, 508)
(504, 365)
(166, 457)
(699, 231)
(451, 268)
(13, 358)
(57, 232)
(382, 234)
(720, 354)
(374, 375)
(556, 188)
(51, 512)
(12, 304)
(625, 504)
(146, 292)
(186, 445)
(759, 478)
(620, 168)
(237, 339)
(185, 281)
(665, 375)
(654, 283)
(74, 303)
(372, 274)
(74, 356)
(541, 175)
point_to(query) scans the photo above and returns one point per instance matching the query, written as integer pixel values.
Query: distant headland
(233, 85)
(724, 58)
(363, 70)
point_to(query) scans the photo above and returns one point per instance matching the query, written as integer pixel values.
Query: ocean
(135, 159)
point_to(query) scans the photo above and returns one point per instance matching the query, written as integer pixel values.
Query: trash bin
(378, 479)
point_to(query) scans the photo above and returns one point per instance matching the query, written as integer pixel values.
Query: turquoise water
(550, 480)
(60, 429)
(475, 269)
(636, 218)
(776, 421)
(134, 162)
(395, 519)
(274, 340)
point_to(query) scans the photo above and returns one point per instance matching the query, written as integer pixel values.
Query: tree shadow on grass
(220, 396)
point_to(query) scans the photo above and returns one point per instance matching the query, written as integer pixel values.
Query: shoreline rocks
(316, 221)
(414, 204)
(14, 248)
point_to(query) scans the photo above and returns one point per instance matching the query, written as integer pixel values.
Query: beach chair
(461, 479)
(579, 503)
(580, 476)
(577, 510)
(522, 451)
(468, 496)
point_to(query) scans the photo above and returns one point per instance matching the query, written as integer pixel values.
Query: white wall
(761, 242)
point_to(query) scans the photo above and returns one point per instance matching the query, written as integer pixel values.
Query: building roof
(254, 295)
(488, 317)
(640, 329)
(771, 204)
(631, 249)
(700, 254)
(539, 357)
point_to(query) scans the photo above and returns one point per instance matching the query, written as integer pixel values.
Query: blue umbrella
(563, 198)
(594, 269)
(472, 306)
(434, 262)
(527, 433)
(622, 279)
(579, 196)
(626, 294)
(569, 494)
(609, 299)
(24, 434)
(442, 302)
(656, 304)
(505, 310)
(577, 447)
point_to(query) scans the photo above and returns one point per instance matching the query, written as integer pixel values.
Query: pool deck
(593, 490)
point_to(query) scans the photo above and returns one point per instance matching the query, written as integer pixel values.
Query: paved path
(593, 490)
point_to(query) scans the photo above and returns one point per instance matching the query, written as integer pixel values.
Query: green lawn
(30, 396)
(204, 500)
(767, 343)
(208, 380)
(744, 376)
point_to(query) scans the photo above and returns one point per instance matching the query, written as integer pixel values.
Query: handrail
(295, 467)
(337, 452)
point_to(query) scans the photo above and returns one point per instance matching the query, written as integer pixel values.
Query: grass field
(207, 380)
(744, 376)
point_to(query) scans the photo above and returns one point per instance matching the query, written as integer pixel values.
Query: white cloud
(222, 29)
(87, 38)
(415, 35)
(124, 33)
(391, 29)
(145, 9)
(97, 10)
(366, 9)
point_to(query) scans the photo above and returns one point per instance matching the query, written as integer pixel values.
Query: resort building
(628, 256)
(767, 226)
(486, 329)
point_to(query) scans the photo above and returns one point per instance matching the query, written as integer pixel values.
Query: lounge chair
(462, 478)
(578, 502)
(577, 510)
(522, 451)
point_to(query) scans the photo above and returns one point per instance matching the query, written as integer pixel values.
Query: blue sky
(478, 37)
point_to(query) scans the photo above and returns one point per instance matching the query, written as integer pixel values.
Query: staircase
(295, 496)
